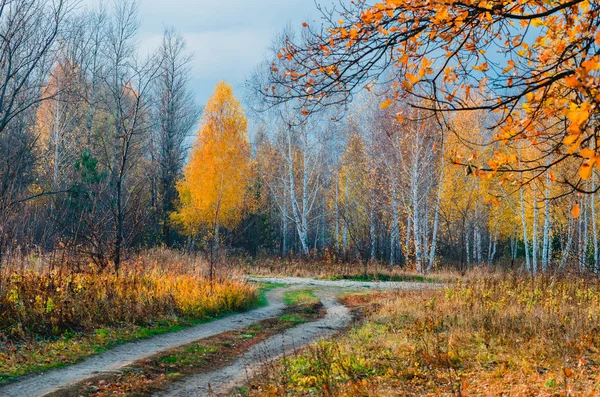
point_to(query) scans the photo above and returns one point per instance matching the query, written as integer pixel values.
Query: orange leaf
(575, 212)
(587, 153)
(568, 371)
(385, 104)
(412, 78)
(569, 140)
(585, 171)
(304, 24)
(481, 68)
(572, 81)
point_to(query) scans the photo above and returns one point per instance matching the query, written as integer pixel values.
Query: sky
(228, 38)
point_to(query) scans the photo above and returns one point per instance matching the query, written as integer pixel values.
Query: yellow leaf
(575, 212)
(385, 104)
(578, 115)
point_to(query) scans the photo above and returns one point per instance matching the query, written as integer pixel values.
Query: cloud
(228, 38)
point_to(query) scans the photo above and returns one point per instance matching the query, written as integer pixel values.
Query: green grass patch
(294, 318)
(301, 297)
(263, 288)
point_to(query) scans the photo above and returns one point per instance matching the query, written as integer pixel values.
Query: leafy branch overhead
(534, 65)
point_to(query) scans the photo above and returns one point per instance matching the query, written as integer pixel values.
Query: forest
(444, 154)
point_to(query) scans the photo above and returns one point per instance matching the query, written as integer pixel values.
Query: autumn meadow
(399, 198)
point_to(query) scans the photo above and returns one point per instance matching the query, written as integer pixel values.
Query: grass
(491, 335)
(302, 297)
(263, 288)
(330, 268)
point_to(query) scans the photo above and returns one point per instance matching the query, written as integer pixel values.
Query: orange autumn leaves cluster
(215, 189)
(543, 87)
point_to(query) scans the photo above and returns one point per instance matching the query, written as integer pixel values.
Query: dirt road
(221, 381)
(123, 355)
(337, 317)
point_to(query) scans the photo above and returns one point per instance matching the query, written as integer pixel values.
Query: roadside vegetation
(485, 335)
(57, 314)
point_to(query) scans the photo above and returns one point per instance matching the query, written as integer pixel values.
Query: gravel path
(112, 360)
(126, 354)
(221, 381)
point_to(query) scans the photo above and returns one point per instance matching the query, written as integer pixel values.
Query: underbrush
(485, 336)
(57, 314)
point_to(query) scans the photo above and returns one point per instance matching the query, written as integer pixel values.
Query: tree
(59, 125)
(176, 114)
(215, 190)
(128, 82)
(29, 29)
(533, 63)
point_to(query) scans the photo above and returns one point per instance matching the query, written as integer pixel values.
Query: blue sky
(228, 38)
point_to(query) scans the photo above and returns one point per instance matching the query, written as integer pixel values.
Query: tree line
(98, 155)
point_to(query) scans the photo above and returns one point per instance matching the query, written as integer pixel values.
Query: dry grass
(58, 312)
(51, 301)
(491, 336)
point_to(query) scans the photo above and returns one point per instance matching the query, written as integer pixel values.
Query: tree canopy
(217, 177)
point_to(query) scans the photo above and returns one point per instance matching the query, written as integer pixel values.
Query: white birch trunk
(525, 236)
